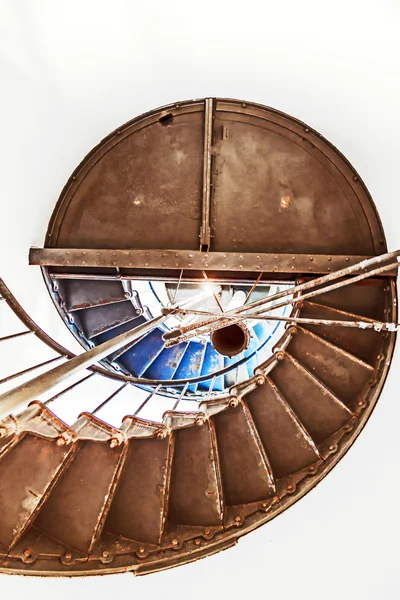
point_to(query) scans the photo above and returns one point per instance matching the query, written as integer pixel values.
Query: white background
(72, 71)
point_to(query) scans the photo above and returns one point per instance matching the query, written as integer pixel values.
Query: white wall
(72, 71)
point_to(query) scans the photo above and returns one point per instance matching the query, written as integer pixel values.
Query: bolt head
(290, 488)
(27, 553)
(199, 421)
(175, 542)
(280, 355)
(233, 403)
(105, 554)
(160, 434)
(114, 443)
(61, 441)
(260, 380)
(68, 555)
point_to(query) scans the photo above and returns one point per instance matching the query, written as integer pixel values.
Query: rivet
(60, 441)
(105, 554)
(290, 487)
(329, 258)
(312, 469)
(175, 542)
(27, 553)
(264, 504)
(280, 355)
(237, 519)
(347, 427)
(285, 201)
(260, 380)
(142, 549)
(331, 448)
(233, 403)
(347, 259)
(361, 403)
(199, 421)
(207, 531)
(197, 542)
(189, 264)
(114, 443)
(306, 130)
(160, 434)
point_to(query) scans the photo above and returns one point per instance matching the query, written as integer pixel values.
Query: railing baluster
(15, 375)
(68, 388)
(14, 335)
(107, 400)
(137, 411)
(181, 395)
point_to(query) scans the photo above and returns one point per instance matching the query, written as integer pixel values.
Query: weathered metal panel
(245, 471)
(288, 445)
(195, 495)
(138, 510)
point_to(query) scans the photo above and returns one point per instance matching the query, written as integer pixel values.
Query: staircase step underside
(99, 319)
(79, 294)
(362, 343)
(342, 373)
(288, 445)
(195, 496)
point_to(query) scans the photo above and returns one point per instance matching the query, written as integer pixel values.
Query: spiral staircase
(153, 237)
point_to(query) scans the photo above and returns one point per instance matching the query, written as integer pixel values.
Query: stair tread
(319, 410)
(79, 294)
(99, 319)
(364, 298)
(75, 510)
(342, 373)
(361, 343)
(195, 495)
(245, 472)
(166, 363)
(213, 361)
(138, 510)
(27, 473)
(288, 445)
(141, 355)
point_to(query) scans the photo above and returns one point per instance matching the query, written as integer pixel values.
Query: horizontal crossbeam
(191, 260)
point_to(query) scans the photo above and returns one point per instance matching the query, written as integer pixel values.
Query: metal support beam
(190, 260)
(17, 398)
(205, 231)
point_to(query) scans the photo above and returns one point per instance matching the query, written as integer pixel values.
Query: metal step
(166, 363)
(344, 374)
(75, 512)
(245, 471)
(78, 294)
(287, 443)
(213, 361)
(29, 470)
(195, 495)
(99, 319)
(361, 343)
(320, 411)
(139, 507)
(138, 358)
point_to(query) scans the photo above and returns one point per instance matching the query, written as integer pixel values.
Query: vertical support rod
(205, 231)
(153, 393)
(183, 392)
(107, 400)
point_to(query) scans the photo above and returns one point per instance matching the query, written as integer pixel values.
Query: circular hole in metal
(231, 340)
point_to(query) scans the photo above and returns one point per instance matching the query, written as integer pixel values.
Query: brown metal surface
(76, 509)
(288, 445)
(245, 470)
(195, 495)
(138, 511)
(172, 260)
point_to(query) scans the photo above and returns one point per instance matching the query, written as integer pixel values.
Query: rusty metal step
(30, 469)
(78, 294)
(320, 411)
(287, 443)
(196, 494)
(245, 471)
(99, 319)
(364, 298)
(362, 343)
(75, 511)
(343, 374)
(139, 507)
